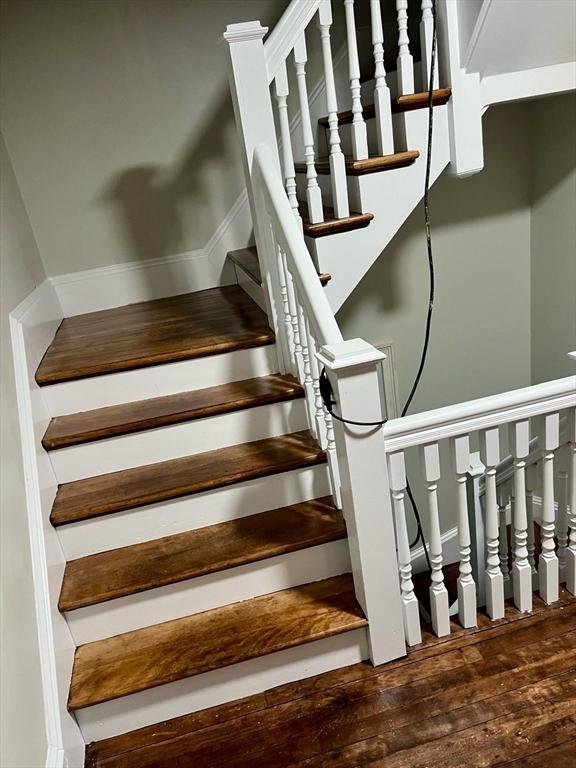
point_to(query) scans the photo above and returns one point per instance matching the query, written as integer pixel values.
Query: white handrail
(283, 37)
(299, 260)
(484, 413)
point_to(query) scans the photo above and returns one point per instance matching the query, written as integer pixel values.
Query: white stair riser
(171, 442)
(206, 592)
(157, 380)
(227, 684)
(154, 521)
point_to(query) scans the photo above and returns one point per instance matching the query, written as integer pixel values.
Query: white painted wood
(571, 551)
(206, 592)
(358, 128)
(562, 528)
(352, 368)
(282, 91)
(286, 31)
(530, 541)
(460, 455)
(313, 193)
(482, 414)
(307, 380)
(175, 441)
(292, 314)
(336, 157)
(189, 512)
(519, 440)
(430, 457)
(250, 286)
(382, 104)
(168, 379)
(227, 684)
(494, 581)
(528, 83)
(450, 550)
(404, 62)
(426, 45)
(548, 433)
(411, 613)
(32, 326)
(476, 504)
(504, 499)
(320, 432)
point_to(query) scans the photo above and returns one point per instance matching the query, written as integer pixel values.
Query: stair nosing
(169, 419)
(245, 558)
(319, 457)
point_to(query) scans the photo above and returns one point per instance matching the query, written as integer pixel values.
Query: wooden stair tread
(400, 104)
(153, 332)
(247, 259)
(115, 420)
(145, 658)
(369, 165)
(331, 225)
(137, 568)
(129, 488)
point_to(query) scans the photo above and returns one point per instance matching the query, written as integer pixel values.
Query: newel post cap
(354, 353)
(246, 30)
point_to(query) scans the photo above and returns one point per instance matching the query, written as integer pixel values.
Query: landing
(153, 332)
(502, 694)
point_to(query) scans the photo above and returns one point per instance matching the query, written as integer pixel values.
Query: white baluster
(571, 551)
(313, 193)
(460, 454)
(519, 438)
(490, 454)
(359, 134)
(503, 499)
(307, 381)
(288, 333)
(292, 311)
(549, 435)
(562, 534)
(281, 85)
(318, 406)
(332, 460)
(439, 607)
(405, 64)
(426, 43)
(337, 163)
(409, 601)
(382, 104)
(530, 523)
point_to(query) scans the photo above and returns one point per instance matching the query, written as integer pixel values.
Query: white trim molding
(528, 83)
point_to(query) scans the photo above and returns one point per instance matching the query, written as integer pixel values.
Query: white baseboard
(32, 326)
(92, 290)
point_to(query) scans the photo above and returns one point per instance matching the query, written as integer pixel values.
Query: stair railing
(538, 408)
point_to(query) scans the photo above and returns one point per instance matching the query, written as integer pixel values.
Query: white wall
(22, 733)
(117, 116)
(553, 237)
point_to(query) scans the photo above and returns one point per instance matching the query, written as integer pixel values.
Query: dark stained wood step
(153, 332)
(401, 104)
(117, 491)
(332, 225)
(115, 420)
(247, 259)
(143, 659)
(134, 569)
(369, 165)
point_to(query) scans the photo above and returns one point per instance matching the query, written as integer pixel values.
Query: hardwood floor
(503, 694)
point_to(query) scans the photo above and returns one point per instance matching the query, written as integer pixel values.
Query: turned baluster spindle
(359, 133)
(293, 313)
(409, 602)
(405, 64)
(336, 157)
(494, 580)
(571, 550)
(318, 406)
(288, 334)
(313, 193)
(562, 529)
(548, 577)
(281, 86)
(504, 498)
(460, 454)
(530, 546)
(438, 593)
(426, 43)
(382, 102)
(519, 438)
(307, 382)
(332, 460)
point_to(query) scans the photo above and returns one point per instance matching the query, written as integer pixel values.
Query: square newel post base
(353, 370)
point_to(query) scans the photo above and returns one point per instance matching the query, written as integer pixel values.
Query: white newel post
(353, 369)
(255, 123)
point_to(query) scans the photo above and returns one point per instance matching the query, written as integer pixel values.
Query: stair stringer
(391, 196)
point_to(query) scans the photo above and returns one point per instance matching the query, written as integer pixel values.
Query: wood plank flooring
(504, 694)
(153, 332)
